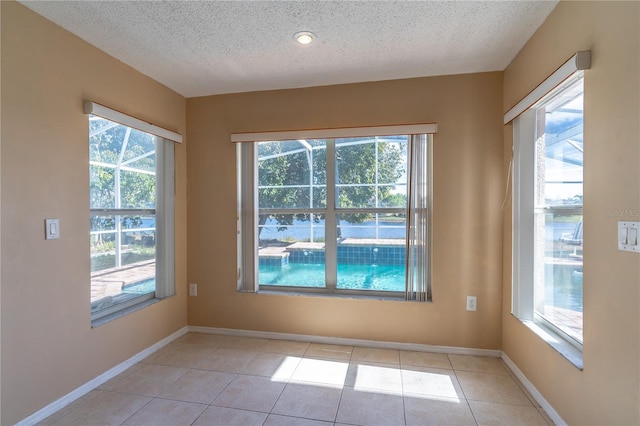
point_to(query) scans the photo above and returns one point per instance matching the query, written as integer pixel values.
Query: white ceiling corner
(200, 48)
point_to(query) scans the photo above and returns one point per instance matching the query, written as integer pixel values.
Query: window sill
(391, 298)
(558, 343)
(122, 312)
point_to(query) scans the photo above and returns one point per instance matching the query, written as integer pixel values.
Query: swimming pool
(350, 277)
(141, 287)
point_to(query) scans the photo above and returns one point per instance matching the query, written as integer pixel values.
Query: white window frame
(164, 215)
(523, 116)
(247, 272)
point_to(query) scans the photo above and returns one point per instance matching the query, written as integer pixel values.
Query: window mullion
(331, 222)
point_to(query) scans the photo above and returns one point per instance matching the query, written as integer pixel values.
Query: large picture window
(131, 216)
(548, 185)
(335, 215)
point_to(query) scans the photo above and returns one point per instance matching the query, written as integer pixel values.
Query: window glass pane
(392, 196)
(291, 174)
(137, 237)
(371, 252)
(137, 190)
(102, 187)
(392, 159)
(370, 171)
(558, 214)
(122, 175)
(291, 250)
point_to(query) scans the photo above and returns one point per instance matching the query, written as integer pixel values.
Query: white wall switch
(628, 234)
(193, 289)
(472, 303)
(51, 229)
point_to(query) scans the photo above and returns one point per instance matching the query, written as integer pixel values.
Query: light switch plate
(51, 229)
(628, 235)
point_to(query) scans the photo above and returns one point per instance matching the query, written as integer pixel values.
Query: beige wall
(48, 345)
(467, 220)
(608, 390)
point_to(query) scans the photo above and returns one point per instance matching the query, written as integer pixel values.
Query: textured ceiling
(200, 48)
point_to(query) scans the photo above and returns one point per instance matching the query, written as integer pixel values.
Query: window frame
(164, 221)
(247, 248)
(525, 212)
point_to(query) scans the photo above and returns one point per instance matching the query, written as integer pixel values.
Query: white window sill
(557, 342)
(394, 297)
(122, 312)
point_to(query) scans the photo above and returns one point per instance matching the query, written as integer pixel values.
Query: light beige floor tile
(330, 372)
(274, 365)
(222, 416)
(108, 408)
(148, 380)
(481, 364)
(489, 413)
(108, 385)
(166, 412)
(383, 356)
(287, 347)
(179, 355)
(67, 409)
(322, 351)
(226, 360)
(435, 382)
(244, 343)
(309, 401)
(212, 340)
(370, 408)
(250, 393)
(424, 359)
(422, 410)
(385, 378)
(526, 392)
(277, 420)
(200, 386)
(491, 388)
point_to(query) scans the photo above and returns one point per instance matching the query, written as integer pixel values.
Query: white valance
(580, 61)
(133, 122)
(405, 129)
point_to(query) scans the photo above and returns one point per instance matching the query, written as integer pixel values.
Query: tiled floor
(204, 379)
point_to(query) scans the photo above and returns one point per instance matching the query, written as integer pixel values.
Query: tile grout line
(455, 373)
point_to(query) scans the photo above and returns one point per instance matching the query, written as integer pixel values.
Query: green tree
(284, 176)
(137, 189)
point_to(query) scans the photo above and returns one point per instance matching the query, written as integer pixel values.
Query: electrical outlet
(193, 289)
(472, 303)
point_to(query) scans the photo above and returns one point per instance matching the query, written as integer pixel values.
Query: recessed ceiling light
(304, 37)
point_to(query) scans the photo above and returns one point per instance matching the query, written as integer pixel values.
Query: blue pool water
(141, 287)
(351, 277)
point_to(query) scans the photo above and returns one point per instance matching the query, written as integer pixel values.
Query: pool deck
(570, 321)
(280, 249)
(109, 282)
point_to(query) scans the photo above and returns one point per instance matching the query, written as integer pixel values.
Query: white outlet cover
(193, 289)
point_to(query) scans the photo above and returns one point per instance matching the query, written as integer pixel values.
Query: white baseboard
(102, 378)
(349, 342)
(553, 414)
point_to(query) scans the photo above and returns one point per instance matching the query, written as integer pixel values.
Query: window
(131, 217)
(548, 219)
(335, 214)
